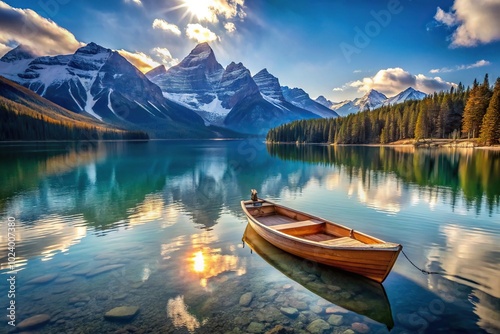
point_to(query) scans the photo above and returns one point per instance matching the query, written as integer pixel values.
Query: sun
(203, 10)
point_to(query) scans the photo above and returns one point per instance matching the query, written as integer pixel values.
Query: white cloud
(446, 18)
(338, 89)
(230, 27)
(200, 33)
(164, 25)
(136, 2)
(24, 26)
(140, 60)
(210, 10)
(165, 56)
(391, 81)
(479, 63)
(476, 22)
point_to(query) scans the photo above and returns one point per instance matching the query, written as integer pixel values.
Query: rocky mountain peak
(201, 48)
(18, 53)
(159, 70)
(92, 49)
(324, 101)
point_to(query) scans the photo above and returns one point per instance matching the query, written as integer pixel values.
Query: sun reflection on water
(209, 263)
(177, 311)
(199, 262)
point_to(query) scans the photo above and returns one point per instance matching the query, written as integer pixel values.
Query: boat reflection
(349, 291)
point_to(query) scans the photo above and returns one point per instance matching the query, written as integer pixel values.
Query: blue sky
(339, 49)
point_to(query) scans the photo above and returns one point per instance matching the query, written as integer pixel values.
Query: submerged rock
(121, 313)
(289, 311)
(34, 321)
(255, 327)
(360, 327)
(104, 269)
(43, 279)
(335, 320)
(318, 326)
(246, 299)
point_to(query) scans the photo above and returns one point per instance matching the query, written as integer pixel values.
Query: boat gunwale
(368, 247)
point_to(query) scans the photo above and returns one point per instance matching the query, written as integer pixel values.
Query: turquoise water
(159, 226)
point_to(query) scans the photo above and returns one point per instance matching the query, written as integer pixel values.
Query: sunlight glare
(199, 262)
(202, 9)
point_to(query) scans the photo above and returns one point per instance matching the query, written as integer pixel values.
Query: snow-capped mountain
(371, 100)
(98, 82)
(324, 101)
(299, 98)
(228, 97)
(193, 81)
(406, 95)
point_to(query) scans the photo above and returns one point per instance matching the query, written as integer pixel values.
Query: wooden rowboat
(347, 290)
(320, 240)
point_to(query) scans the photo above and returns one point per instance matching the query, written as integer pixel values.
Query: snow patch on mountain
(275, 102)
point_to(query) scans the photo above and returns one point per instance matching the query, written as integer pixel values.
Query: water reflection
(163, 209)
(178, 312)
(209, 263)
(47, 236)
(472, 263)
(475, 174)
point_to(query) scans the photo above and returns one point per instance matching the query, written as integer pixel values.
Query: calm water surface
(158, 226)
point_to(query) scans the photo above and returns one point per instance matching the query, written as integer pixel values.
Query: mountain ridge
(229, 97)
(100, 83)
(370, 100)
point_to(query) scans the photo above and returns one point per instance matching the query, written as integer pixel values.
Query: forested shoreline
(458, 113)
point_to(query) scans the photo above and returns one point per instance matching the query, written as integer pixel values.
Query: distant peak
(373, 92)
(235, 66)
(18, 53)
(92, 48)
(202, 47)
(156, 71)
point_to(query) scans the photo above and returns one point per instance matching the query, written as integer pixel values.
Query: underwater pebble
(34, 321)
(121, 313)
(246, 299)
(43, 279)
(360, 327)
(318, 326)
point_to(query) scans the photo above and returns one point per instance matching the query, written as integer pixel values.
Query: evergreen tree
(490, 128)
(421, 126)
(476, 106)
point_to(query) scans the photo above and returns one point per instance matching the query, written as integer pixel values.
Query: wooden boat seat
(302, 223)
(263, 205)
(344, 242)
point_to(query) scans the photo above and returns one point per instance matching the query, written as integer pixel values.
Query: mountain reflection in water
(169, 213)
(473, 174)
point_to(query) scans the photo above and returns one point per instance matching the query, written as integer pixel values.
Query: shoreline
(425, 143)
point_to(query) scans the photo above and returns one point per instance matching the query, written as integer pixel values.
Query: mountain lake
(149, 237)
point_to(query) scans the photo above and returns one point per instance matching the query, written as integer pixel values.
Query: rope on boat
(422, 270)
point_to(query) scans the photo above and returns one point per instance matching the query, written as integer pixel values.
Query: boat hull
(371, 263)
